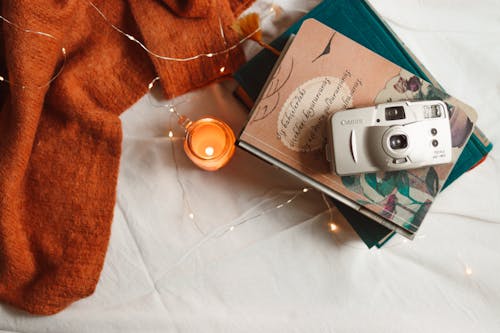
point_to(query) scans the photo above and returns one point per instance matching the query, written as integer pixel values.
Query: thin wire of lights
(42, 34)
(231, 226)
(168, 106)
(172, 138)
(185, 198)
(169, 58)
(225, 228)
(332, 226)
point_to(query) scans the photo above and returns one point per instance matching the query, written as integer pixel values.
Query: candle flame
(333, 227)
(209, 151)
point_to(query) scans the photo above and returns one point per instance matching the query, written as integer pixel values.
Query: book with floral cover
(322, 72)
(359, 21)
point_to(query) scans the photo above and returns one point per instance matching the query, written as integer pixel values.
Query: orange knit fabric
(60, 145)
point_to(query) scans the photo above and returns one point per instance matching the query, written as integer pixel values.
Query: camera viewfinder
(394, 113)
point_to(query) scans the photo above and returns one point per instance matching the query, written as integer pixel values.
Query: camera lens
(399, 141)
(435, 143)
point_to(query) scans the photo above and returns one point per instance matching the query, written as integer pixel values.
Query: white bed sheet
(283, 271)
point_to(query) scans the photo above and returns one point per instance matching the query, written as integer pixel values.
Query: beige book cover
(322, 72)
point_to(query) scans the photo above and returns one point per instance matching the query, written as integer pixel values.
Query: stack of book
(344, 56)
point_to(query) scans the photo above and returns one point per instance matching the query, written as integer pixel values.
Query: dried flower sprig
(249, 25)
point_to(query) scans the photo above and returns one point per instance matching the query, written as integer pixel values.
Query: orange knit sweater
(60, 145)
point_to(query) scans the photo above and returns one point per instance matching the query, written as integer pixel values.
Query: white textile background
(283, 271)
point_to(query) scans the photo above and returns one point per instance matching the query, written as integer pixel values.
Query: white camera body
(389, 137)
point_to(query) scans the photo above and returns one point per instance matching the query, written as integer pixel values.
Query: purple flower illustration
(390, 206)
(413, 84)
(461, 126)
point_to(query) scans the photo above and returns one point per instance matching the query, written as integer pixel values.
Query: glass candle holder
(209, 142)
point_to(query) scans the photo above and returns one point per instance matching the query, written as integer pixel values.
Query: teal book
(358, 21)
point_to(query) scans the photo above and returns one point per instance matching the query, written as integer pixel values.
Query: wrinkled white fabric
(282, 270)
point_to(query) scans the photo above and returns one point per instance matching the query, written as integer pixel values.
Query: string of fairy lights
(225, 228)
(169, 58)
(41, 34)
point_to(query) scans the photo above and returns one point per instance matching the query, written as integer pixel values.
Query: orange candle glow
(209, 143)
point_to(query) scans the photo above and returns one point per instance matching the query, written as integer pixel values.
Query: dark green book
(358, 21)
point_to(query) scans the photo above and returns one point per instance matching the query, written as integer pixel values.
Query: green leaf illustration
(419, 215)
(384, 187)
(352, 183)
(403, 183)
(432, 182)
(419, 96)
(388, 184)
(371, 179)
(435, 93)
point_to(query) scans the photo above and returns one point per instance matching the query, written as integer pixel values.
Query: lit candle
(209, 143)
